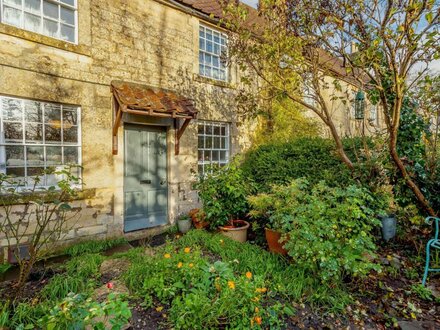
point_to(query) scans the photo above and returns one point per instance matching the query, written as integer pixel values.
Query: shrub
(223, 192)
(312, 158)
(77, 312)
(329, 228)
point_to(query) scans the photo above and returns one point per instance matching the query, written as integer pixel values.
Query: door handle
(145, 181)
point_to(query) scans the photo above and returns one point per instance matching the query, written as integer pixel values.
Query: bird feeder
(359, 105)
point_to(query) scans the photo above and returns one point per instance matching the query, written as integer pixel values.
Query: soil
(148, 319)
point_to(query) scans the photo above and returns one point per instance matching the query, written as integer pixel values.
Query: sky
(253, 3)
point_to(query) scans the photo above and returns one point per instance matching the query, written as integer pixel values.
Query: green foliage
(85, 266)
(329, 228)
(25, 315)
(77, 312)
(423, 292)
(4, 314)
(4, 268)
(312, 158)
(284, 121)
(61, 285)
(223, 192)
(93, 246)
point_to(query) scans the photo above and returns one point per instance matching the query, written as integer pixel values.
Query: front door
(145, 177)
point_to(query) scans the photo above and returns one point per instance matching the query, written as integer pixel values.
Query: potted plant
(184, 223)
(223, 192)
(198, 218)
(277, 211)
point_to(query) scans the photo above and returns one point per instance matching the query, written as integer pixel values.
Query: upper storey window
(212, 53)
(52, 18)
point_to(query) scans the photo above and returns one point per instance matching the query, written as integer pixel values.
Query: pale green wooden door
(145, 177)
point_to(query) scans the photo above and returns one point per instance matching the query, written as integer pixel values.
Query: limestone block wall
(142, 41)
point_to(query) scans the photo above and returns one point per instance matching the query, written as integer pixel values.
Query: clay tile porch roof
(142, 99)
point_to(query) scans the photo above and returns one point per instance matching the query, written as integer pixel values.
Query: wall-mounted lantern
(359, 105)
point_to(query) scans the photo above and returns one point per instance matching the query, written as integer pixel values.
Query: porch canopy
(144, 100)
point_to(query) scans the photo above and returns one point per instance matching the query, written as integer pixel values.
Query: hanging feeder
(359, 105)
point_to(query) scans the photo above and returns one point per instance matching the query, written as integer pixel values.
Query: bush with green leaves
(312, 158)
(223, 191)
(78, 312)
(329, 228)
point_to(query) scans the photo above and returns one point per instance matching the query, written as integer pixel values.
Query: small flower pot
(184, 225)
(237, 230)
(273, 241)
(198, 218)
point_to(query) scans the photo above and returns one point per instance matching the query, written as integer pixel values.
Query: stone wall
(142, 41)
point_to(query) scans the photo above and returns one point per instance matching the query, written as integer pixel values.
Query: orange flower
(261, 290)
(187, 250)
(231, 285)
(249, 275)
(179, 265)
(167, 255)
(257, 320)
(191, 265)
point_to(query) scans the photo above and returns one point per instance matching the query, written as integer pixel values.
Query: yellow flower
(255, 299)
(257, 320)
(179, 265)
(257, 309)
(191, 265)
(187, 250)
(249, 275)
(159, 308)
(167, 255)
(231, 285)
(261, 290)
(222, 241)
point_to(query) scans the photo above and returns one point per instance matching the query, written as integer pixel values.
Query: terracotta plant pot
(273, 237)
(237, 230)
(198, 218)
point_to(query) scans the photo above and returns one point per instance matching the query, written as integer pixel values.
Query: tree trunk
(408, 180)
(339, 146)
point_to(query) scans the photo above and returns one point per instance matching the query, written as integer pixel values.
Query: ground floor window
(35, 136)
(213, 144)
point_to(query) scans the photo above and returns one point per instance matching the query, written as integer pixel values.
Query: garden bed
(203, 281)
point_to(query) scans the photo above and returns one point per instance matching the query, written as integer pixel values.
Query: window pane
(13, 132)
(17, 172)
(34, 133)
(216, 143)
(50, 28)
(208, 129)
(32, 22)
(50, 10)
(216, 130)
(70, 135)
(69, 2)
(12, 16)
(35, 156)
(215, 156)
(71, 155)
(16, 3)
(52, 134)
(207, 155)
(67, 33)
(52, 114)
(70, 118)
(223, 156)
(208, 142)
(67, 16)
(33, 112)
(12, 110)
(53, 156)
(201, 142)
(33, 6)
(14, 155)
(35, 171)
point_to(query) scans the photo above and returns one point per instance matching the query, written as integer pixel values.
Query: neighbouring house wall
(141, 41)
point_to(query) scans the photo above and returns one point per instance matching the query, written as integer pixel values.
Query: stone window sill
(24, 198)
(44, 40)
(224, 84)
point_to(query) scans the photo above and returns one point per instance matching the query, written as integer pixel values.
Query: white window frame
(204, 52)
(41, 16)
(203, 163)
(43, 144)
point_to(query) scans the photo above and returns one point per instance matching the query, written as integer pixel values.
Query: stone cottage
(135, 91)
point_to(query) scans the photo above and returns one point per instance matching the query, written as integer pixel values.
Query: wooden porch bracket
(178, 132)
